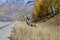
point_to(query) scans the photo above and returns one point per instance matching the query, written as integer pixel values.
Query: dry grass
(49, 30)
(25, 33)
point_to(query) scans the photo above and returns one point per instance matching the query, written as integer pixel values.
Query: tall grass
(49, 30)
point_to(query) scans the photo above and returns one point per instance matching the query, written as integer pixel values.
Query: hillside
(49, 30)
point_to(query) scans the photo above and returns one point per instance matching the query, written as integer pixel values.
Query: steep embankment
(49, 30)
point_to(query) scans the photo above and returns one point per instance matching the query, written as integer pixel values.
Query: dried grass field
(49, 30)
